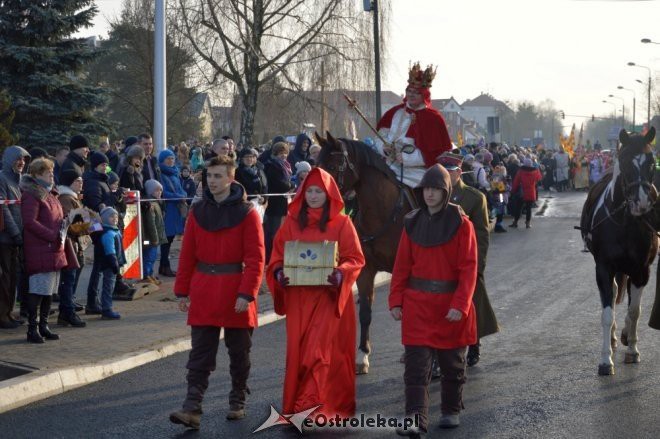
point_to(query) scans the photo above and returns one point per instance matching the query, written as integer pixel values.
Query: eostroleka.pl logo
(305, 418)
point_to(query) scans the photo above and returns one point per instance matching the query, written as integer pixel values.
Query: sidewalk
(150, 329)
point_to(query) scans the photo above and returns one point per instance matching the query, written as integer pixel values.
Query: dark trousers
(165, 253)
(417, 376)
(67, 290)
(527, 207)
(271, 225)
(202, 361)
(9, 276)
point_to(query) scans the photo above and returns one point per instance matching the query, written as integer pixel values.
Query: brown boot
(186, 418)
(235, 412)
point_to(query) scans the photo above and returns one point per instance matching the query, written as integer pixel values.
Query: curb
(22, 390)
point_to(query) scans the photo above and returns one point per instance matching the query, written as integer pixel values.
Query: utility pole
(160, 81)
(324, 105)
(374, 7)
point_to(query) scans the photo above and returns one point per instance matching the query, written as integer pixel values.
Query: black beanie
(112, 177)
(68, 176)
(130, 141)
(78, 142)
(97, 158)
(37, 153)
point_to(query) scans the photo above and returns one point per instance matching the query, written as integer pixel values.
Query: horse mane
(369, 157)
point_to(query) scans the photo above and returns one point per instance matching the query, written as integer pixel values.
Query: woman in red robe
(320, 324)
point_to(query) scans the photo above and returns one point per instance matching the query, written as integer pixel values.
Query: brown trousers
(202, 360)
(417, 376)
(8, 277)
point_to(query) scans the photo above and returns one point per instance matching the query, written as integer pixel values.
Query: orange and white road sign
(132, 240)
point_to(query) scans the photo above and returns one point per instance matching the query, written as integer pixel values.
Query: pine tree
(6, 119)
(41, 68)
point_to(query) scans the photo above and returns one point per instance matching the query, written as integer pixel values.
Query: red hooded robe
(320, 324)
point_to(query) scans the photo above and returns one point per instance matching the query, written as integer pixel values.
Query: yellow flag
(459, 139)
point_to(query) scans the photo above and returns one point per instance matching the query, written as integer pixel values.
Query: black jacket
(279, 182)
(154, 166)
(73, 161)
(254, 181)
(96, 192)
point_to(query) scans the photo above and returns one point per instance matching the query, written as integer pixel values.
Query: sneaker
(186, 418)
(110, 315)
(70, 319)
(449, 421)
(235, 413)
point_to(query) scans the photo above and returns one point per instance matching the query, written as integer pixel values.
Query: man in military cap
(473, 203)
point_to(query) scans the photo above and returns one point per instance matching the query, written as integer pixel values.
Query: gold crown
(421, 79)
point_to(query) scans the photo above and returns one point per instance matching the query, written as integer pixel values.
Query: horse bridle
(345, 163)
(628, 186)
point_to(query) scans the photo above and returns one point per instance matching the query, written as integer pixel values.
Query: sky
(574, 52)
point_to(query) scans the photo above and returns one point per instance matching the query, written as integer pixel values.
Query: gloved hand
(335, 278)
(113, 263)
(281, 278)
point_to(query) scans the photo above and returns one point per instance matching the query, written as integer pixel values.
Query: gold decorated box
(309, 263)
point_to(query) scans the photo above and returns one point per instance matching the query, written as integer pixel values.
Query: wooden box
(309, 263)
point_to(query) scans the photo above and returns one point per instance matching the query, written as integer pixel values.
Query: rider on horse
(416, 123)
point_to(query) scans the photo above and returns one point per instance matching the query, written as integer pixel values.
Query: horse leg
(605, 281)
(632, 317)
(365, 284)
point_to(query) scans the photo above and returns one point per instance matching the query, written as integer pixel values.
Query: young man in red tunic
(431, 293)
(220, 270)
(414, 122)
(320, 320)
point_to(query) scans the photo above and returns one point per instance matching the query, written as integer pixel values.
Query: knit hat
(78, 142)
(135, 151)
(164, 154)
(68, 176)
(527, 162)
(150, 186)
(106, 213)
(249, 151)
(303, 167)
(278, 139)
(130, 141)
(112, 178)
(37, 152)
(97, 158)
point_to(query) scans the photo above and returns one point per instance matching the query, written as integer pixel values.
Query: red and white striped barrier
(132, 239)
(9, 202)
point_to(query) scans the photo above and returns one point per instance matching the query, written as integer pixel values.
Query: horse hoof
(362, 363)
(361, 369)
(631, 358)
(624, 338)
(605, 369)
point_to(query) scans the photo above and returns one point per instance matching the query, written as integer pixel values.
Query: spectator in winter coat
(250, 173)
(113, 157)
(45, 233)
(302, 170)
(150, 169)
(96, 191)
(278, 175)
(77, 158)
(197, 159)
(153, 230)
(14, 160)
(300, 150)
(526, 180)
(110, 253)
(187, 183)
(60, 157)
(130, 172)
(69, 190)
(174, 220)
(314, 152)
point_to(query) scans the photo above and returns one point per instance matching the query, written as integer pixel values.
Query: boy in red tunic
(220, 269)
(431, 293)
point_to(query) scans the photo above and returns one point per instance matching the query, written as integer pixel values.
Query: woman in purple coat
(44, 233)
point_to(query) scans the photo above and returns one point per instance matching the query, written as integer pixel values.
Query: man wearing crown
(416, 123)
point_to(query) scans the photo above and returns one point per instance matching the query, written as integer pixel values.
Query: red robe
(320, 323)
(428, 129)
(423, 322)
(213, 297)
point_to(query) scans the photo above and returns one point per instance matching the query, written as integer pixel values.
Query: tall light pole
(620, 87)
(623, 109)
(160, 81)
(613, 106)
(648, 41)
(372, 5)
(648, 108)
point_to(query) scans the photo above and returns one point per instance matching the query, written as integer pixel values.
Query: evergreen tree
(6, 118)
(42, 69)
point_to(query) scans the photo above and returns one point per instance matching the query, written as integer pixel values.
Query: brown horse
(382, 202)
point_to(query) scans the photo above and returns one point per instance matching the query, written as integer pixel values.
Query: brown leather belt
(203, 267)
(432, 286)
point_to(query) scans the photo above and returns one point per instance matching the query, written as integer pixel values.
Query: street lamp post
(620, 87)
(648, 108)
(372, 5)
(160, 81)
(613, 106)
(623, 109)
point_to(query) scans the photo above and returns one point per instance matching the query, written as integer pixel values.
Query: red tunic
(423, 322)
(320, 323)
(428, 129)
(213, 297)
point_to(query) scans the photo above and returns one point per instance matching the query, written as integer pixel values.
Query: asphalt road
(537, 378)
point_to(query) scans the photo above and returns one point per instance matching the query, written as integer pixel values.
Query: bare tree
(252, 43)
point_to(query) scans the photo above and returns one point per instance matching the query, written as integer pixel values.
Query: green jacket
(153, 226)
(473, 203)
